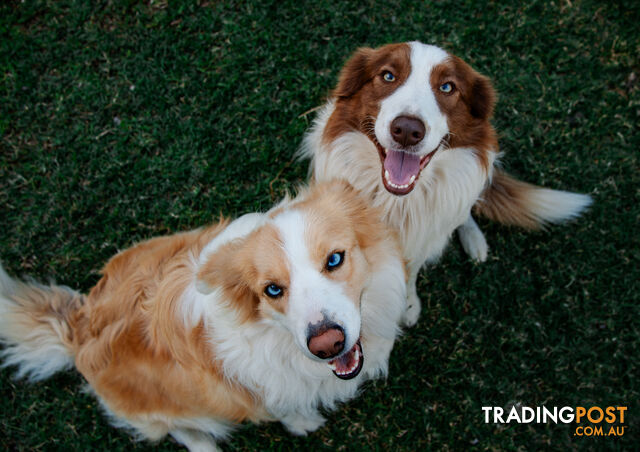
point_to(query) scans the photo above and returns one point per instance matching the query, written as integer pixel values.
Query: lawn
(123, 120)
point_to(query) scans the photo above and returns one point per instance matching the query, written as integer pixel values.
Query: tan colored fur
(158, 369)
(133, 347)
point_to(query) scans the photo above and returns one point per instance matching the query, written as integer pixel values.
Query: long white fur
(441, 201)
(557, 206)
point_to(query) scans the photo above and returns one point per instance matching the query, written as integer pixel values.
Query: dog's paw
(301, 425)
(473, 241)
(194, 440)
(412, 313)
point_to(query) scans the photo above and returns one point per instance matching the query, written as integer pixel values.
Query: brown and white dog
(408, 125)
(270, 317)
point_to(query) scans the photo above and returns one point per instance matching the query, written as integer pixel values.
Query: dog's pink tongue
(401, 166)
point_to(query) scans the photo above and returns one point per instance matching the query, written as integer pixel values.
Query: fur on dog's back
(129, 324)
(134, 314)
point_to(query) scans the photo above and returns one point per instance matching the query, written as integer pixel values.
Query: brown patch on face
(331, 231)
(244, 268)
(338, 199)
(468, 107)
(361, 88)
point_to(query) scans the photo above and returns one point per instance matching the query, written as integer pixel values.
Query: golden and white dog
(408, 125)
(273, 316)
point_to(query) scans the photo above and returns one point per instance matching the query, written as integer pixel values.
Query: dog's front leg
(414, 306)
(194, 440)
(473, 240)
(301, 424)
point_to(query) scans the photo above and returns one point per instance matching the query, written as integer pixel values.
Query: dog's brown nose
(327, 344)
(407, 131)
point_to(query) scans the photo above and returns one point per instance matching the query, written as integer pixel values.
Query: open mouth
(400, 169)
(348, 365)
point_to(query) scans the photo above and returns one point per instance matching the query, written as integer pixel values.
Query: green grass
(122, 120)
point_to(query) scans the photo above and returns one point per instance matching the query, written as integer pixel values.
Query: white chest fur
(441, 201)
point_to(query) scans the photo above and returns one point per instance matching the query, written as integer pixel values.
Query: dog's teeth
(412, 179)
(386, 176)
(332, 366)
(399, 186)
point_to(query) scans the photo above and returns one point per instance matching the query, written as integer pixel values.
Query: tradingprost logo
(601, 418)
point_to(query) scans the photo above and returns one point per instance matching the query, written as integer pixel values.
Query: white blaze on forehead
(426, 54)
(312, 295)
(291, 224)
(415, 98)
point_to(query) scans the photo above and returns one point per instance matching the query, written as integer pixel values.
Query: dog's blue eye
(273, 291)
(335, 260)
(388, 76)
(446, 87)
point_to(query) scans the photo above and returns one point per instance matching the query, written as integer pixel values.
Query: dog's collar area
(348, 365)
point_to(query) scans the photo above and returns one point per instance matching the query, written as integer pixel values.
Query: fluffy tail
(35, 328)
(513, 202)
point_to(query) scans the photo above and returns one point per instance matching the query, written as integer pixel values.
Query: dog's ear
(355, 73)
(230, 269)
(482, 97)
(477, 91)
